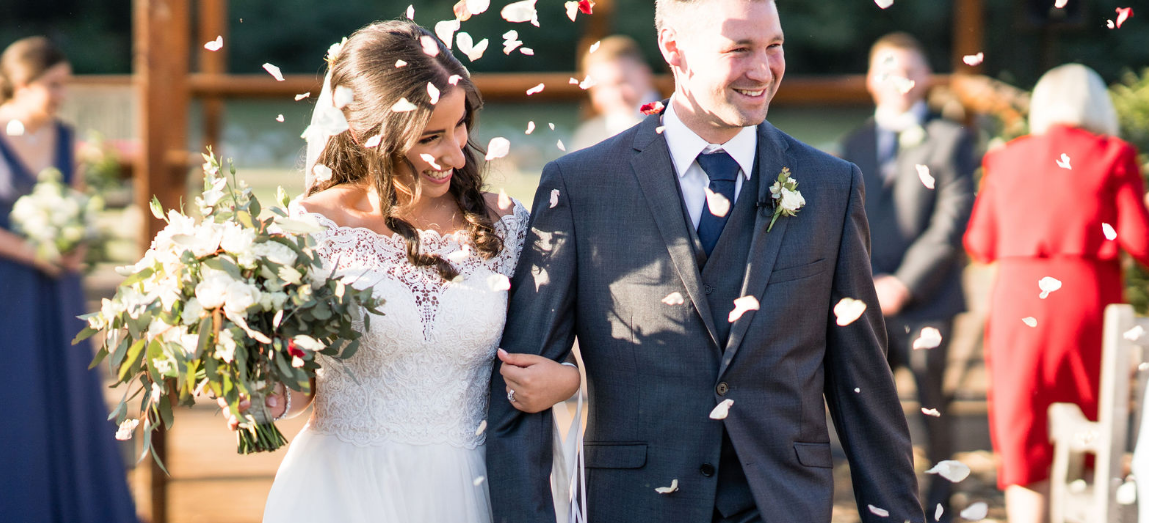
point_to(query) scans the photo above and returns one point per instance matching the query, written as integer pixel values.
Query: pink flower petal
(652, 108)
(1123, 14)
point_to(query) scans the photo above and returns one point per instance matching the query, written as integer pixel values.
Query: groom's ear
(668, 44)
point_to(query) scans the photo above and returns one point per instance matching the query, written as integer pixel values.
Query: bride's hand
(275, 402)
(539, 383)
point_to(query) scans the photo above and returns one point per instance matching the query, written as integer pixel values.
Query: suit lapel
(657, 178)
(765, 246)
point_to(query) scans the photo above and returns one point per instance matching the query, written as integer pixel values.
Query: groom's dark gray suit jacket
(609, 241)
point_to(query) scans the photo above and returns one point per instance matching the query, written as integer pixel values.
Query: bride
(397, 430)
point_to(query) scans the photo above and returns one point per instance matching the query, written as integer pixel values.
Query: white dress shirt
(685, 146)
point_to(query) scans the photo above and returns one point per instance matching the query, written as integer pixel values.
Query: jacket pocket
(813, 455)
(799, 272)
(611, 455)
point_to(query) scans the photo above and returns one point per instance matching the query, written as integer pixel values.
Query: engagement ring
(511, 396)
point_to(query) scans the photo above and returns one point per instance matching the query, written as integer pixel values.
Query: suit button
(708, 289)
(707, 469)
(722, 389)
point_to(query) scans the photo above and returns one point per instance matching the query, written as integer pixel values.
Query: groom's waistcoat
(722, 275)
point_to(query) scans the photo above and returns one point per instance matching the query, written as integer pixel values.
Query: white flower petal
(373, 141)
(536, 89)
(973, 59)
(848, 310)
(445, 30)
(976, 511)
(431, 161)
(1127, 493)
(929, 338)
(214, 45)
(954, 471)
(933, 413)
(430, 46)
(519, 12)
(884, 3)
(742, 306)
(400, 63)
(454, 79)
(15, 128)
(499, 282)
(924, 175)
(673, 483)
(273, 71)
(721, 410)
(482, 427)
(410, 12)
(1110, 233)
(479, 480)
(505, 201)
(279, 118)
(498, 147)
(1135, 333)
(674, 298)
(938, 512)
(594, 46)
(1064, 162)
(299, 97)
(1048, 285)
(880, 512)
(718, 204)
(1030, 320)
(342, 96)
(322, 172)
(403, 106)
(560, 145)
(478, 6)
(530, 127)
(433, 92)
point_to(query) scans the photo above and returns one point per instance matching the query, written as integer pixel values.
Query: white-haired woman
(1049, 207)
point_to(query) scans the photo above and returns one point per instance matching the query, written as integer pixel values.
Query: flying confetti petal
(299, 97)
(924, 175)
(1064, 162)
(554, 198)
(933, 413)
(430, 46)
(849, 310)
(722, 410)
(742, 306)
(468, 47)
(322, 172)
(718, 204)
(667, 490)
(551, 125)
(1126, 494)
(214, 45)
(499, 147)
(930, 338)
(279, 118)
(454, 79)
(1030, 320)
(478, 7)
(479, 480)
(403, 106)
(519, 12)
(505, 201)
(976, 511)
(1123, 14)
(1060, 4)
(1110, 233)
(973, 59)
(273, 71)
(1048, 285)
(373, 142)
(400, 63)
(587, 83)
(560, 145)
(594, 46)
(572, 10)
(433, 92)
(884, 3)
(880, 512)
(673, 299)
(530, 127)
(536, 89)
(482, 427)
(445, 30)
(938, 512)
(430, 159)
(954, 471)
(586, 7)
(15, 128)
(1135, 333)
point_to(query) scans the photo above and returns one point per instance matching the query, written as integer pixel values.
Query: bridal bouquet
(235, 305)
(54, 217)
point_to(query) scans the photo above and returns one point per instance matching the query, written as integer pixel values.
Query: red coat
(1038, 219)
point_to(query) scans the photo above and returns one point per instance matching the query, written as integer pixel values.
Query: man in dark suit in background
(661, 250)
(918, 171)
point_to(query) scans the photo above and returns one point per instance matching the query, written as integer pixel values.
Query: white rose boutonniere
(912, 137)
(787, 198)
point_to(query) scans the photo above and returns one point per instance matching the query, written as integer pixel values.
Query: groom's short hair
(664, 9)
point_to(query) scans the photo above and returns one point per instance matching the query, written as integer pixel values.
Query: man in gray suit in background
(702, 294)
(918, 171)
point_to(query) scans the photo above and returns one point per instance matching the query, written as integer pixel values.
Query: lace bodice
(423, 370)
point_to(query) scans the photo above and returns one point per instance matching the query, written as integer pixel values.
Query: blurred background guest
(1055, 205)
(58, 450)
(622, 83)
(916, 230)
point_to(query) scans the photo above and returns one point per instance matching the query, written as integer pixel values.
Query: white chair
(1074, 496)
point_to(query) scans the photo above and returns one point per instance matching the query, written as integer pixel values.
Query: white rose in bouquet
(54, 218)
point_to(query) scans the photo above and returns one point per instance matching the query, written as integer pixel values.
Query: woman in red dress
(1056, 204)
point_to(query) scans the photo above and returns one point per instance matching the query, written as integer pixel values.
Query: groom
(641, 245)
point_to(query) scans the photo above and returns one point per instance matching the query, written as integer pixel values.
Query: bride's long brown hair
(370, 63)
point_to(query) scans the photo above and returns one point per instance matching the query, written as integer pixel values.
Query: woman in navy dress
(58, 456)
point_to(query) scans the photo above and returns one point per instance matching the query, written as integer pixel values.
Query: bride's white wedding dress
(395, 434)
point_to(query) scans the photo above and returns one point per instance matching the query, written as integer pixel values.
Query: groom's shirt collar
(685, 145)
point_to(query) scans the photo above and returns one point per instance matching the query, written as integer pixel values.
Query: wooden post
(969, 34)
(212, 23)
(161, 68)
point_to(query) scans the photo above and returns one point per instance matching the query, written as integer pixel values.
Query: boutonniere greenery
(787, 198)
(912, 137)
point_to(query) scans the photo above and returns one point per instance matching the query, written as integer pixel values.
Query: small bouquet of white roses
(235, 305)
(54, 217)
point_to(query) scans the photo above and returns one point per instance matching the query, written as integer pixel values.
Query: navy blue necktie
(723, 171)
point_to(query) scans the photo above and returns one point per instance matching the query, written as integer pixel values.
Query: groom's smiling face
(728, 63)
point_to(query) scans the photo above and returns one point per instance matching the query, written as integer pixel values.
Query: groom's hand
(539, 383)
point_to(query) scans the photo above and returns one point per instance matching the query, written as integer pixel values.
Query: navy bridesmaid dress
(58, 456)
